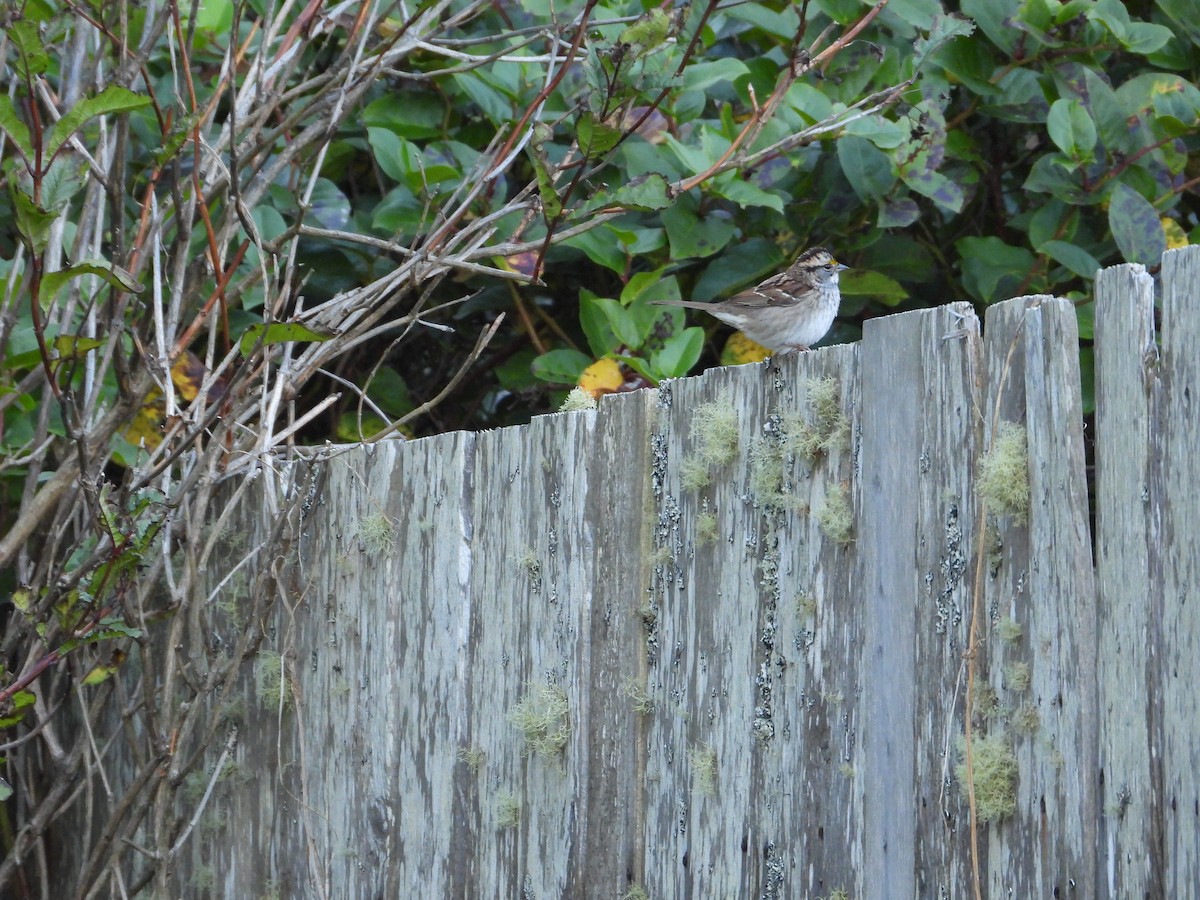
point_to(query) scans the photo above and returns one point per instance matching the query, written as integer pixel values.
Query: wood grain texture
(919, 433)
(753, 590)
(1129, 625)
(1177, 563)
(1042, 680)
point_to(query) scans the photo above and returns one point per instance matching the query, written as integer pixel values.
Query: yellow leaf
(147, 424)
(602, 377)
(1176, 236)
(740, 350)
(188, 375)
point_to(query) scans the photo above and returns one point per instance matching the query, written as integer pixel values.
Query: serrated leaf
(1135, 226)
(941, 30)
(551, 204)
(279, 333)
(62, 181)
(110, 101)
(118, 277)
(595, 137)
(648, 31)
(1072, 130)
(24, 34)
(646, 192)
(33, 222)
(17, 131)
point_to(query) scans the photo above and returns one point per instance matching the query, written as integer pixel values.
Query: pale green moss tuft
(694, 473)
(768, 474)
(1026, 719)
(836, 516)
(703, 760)
(1004, 472)
(378, 534)
(1016, 676)
(829, 429)
(577, 400)
(473, 757)
(508, 810)
(269, 681)
(544, 717)
(715, 429)
(994, 769)
(1009, 630)
(636, 892)
(643, 703)
(846, 770)
(806, 605)
(706, 528)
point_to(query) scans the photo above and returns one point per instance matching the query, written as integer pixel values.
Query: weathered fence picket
(754, 591)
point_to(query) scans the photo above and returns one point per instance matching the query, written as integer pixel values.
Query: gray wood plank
(1177, 563)
(1043, 679)
(1130, 787)
(919, 423)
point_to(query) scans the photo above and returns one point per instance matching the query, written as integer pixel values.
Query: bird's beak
(841, 268)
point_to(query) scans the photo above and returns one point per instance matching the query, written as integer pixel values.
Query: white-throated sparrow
(788, 311)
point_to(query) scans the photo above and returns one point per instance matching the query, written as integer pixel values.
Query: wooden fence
(715, 640)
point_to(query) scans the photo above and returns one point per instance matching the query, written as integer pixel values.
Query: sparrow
(789, 311)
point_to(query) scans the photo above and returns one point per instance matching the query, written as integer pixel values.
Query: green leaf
(279, 333)
(551, 204)
(1136, 226)
(649, 31)
(24, 34)
(865, 283)
(731, 186)
(691, 236)
(563, 366)
(988, 264)
(678, 354)
(1073, 257)
(746, 262)
(53, 282)
(110, 101)
(1072, 130)
(17, 131)
(621, 321)
(600, 248)
(649, 287)
(941, 30)
(867, 168)
(1144, 38)
(414, 114)
(595, 138)
(898, 213)
(646, 192)
(703, 75)
(19, 701)
(70, 346)
(937, 187)
(601, 338)
(33, 222)
(993, 17)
